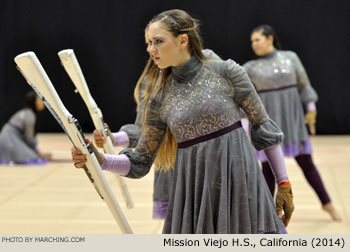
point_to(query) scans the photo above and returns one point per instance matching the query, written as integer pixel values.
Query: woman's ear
(183, 40)
(270, 38)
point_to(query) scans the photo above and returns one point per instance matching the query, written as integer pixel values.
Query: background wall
(107, 37)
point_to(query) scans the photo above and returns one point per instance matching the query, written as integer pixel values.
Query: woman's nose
(153, 48)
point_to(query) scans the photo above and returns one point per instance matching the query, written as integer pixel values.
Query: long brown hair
(177, 22)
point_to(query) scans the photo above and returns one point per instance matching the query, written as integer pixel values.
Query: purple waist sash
(276, 89)
(212, 135)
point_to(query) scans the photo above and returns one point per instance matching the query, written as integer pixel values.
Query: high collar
(187, 71)
(269, 55)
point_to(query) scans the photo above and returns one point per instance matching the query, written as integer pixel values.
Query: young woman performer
(192, 122)
(128, 136)
(283, 85)
(18, 143)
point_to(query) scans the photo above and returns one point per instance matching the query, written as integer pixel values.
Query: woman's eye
(158, 41)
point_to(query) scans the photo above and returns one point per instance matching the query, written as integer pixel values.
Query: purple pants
(310, 172)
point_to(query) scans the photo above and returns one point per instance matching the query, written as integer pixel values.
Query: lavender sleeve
(116, 163)
(121, 138)
(275, 157)
(133, 132)
(311, 106)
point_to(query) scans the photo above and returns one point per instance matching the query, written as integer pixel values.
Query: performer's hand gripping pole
(30, 67)
(72, 67)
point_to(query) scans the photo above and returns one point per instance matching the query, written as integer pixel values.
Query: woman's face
(39, 105)
(165, 49)
(261, 45)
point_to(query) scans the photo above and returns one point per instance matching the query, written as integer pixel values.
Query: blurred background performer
(283, 86)
(18, 142)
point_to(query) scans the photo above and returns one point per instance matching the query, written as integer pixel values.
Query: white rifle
(30, 67)
(72, 67)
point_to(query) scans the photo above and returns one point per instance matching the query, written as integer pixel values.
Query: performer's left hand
(310, 120)
(100, 140)
(284, 203)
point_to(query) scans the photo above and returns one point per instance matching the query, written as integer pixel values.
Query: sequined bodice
(198, 105)
(198, 99)
(275, 70)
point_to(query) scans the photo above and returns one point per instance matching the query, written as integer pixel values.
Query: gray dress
(162, 178)
(17, 140)
(283, 86)
(218, 186)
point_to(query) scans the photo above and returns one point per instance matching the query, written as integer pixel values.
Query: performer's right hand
(78, 158)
